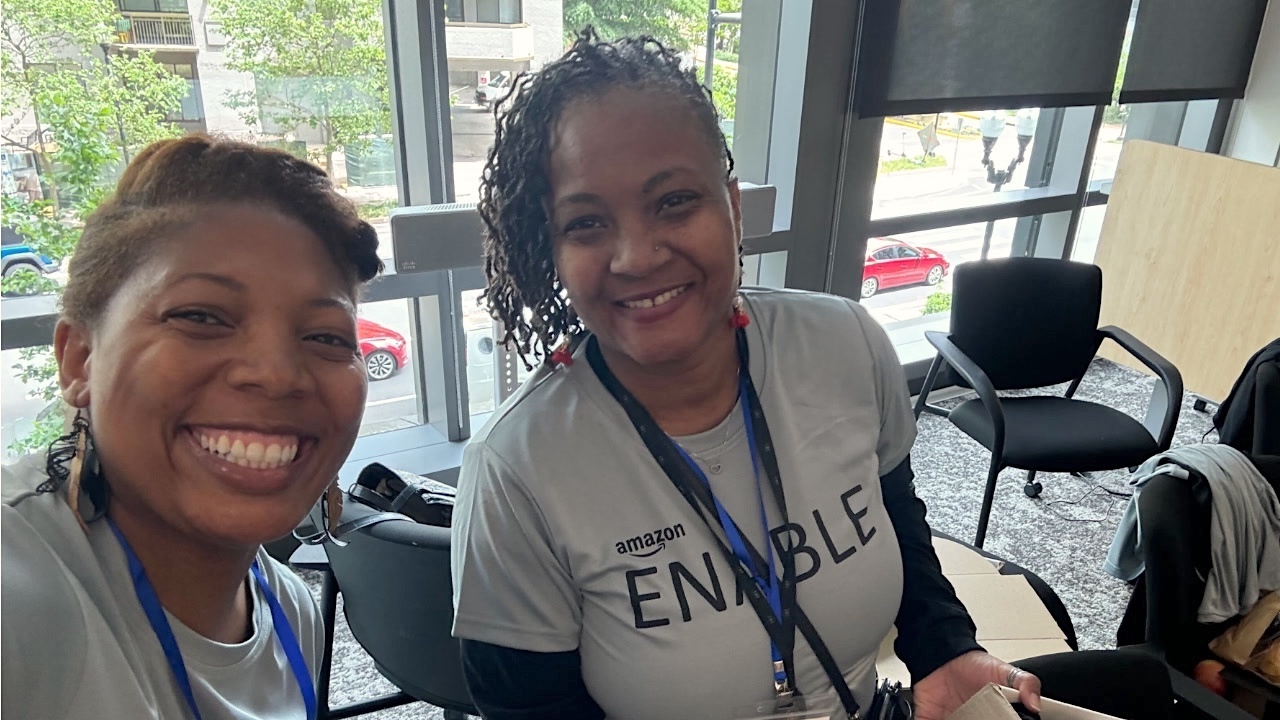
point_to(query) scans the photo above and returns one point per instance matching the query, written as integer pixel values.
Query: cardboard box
(1012, 622)
(957, 559)
(1005, 607)
(993, 703)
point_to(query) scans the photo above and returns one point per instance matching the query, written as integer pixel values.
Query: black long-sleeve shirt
(933, 628)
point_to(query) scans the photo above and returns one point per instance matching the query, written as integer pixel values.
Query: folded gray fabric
(1244, 529)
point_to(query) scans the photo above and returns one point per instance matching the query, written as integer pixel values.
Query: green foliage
(32, 32)
(92, 112)
(912, 163)
(726, 56)
(679, 24)
(43, 432)
(316, 63)
(376, 210)
(45, 232)
(37, 367)
(724, 90)
(1115, 113)
(937, 302)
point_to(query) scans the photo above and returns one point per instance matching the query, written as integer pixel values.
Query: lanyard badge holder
(154, 611)
(772, 598)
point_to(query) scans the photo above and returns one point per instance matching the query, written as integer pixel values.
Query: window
(154, 6)
(386, 340)
(930, 162)
(191, 109)
(911, 292)
(326, 100)
(506, 12)
(482, 64)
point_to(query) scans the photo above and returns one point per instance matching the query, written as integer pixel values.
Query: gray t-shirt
(77, 645)
(567, 534)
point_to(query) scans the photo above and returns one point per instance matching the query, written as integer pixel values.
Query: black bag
(396, 495)
(1249, 418)
(421, 499)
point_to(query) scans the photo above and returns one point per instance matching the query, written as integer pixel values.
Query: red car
(384, 349)
(893, 263)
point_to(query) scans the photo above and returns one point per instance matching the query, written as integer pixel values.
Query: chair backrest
(1027, 322)
(1266, 414)
(397, 592)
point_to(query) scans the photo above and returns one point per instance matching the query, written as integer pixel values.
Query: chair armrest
(1201, 700)
(1162, 412)
(977, 380)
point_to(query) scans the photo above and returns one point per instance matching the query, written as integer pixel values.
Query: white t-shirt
(77, 645)
(568, 535)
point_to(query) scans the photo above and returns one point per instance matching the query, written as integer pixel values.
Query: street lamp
(991, 126)
(1025, 126)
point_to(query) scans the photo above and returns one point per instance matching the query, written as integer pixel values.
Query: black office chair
(1022, 323)
(397, 595)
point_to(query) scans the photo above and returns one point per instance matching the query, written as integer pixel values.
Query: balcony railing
(158, 30)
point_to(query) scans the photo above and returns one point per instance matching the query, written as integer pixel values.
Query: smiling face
(645, 225)
(224, 382)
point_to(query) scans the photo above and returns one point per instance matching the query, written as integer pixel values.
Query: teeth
(255, 455)
(662, 299)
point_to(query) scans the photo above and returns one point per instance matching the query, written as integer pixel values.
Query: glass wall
(945, 159)
(869, 208)
(315, 85)
(483, 62)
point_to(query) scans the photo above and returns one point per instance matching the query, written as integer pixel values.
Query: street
(959, 245)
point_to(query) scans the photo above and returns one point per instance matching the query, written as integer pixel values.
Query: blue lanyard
(173, 654)
(768, 582)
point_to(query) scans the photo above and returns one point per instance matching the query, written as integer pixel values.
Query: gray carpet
(1063, 536)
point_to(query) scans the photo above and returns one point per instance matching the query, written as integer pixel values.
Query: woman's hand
(950, 686)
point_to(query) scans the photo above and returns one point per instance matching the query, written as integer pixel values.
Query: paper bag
(1254, 644)
(994, 703)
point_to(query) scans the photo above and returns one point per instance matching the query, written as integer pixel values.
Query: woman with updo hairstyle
(207, 347)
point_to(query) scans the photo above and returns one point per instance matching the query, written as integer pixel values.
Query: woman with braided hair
(702, 501)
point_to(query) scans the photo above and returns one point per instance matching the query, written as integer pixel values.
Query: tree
(92, 110)
(1116, 113)
(724, 91)
(34, 36)
(56, 61)
(675, 23)
(316, 63)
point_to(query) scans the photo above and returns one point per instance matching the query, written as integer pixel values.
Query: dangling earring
(333, 508)
(740, 318)
(330, 519)
(83, 460)
(563, 354)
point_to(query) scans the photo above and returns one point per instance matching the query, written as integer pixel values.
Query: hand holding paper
(950, 686)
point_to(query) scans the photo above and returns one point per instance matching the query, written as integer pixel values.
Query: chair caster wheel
(1033, 490)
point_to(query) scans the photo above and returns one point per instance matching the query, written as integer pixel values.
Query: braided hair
(524, 292)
